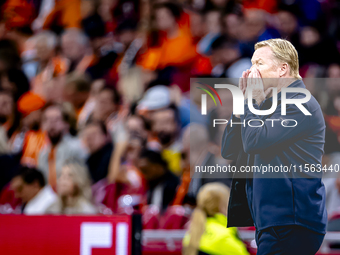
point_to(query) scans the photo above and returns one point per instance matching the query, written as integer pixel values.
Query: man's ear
(284, 70)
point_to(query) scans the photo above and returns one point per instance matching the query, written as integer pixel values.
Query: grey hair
(50, 37)
(78, 34)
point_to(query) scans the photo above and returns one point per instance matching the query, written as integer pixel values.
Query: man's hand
(255, 83)
(243, 84)
(243, 81)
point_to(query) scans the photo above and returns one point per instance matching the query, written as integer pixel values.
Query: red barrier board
(67, 235)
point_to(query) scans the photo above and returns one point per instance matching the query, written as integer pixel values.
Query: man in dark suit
(286, 207)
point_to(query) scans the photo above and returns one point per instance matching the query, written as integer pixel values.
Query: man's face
(104, 105)
(23, 190)
(77, 98)
(212, 22)
(133, 150)
(264, 61)
(233, 25)
(253, 25)
(135, 125)
(164, 125)
(309, 36)
(164, 19)
(54, 124)
(94, 138)
(44, 52)
(287, 22)
(72, 49)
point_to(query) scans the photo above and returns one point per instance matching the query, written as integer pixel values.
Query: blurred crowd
(95, 110)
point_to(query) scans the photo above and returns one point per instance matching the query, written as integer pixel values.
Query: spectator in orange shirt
(18, 13)
(49, 65)
(174, 46)
(66, 14)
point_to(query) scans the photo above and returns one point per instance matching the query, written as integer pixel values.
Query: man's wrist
(259, 101)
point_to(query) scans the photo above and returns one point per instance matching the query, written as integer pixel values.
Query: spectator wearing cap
(30, 138)
(31, 188)
(159, 97)
(162, 182)
(155, 98)
(57, 121)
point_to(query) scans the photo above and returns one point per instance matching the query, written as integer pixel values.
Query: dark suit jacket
(283, 198)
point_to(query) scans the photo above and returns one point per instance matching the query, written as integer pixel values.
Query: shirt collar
(294, 84)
